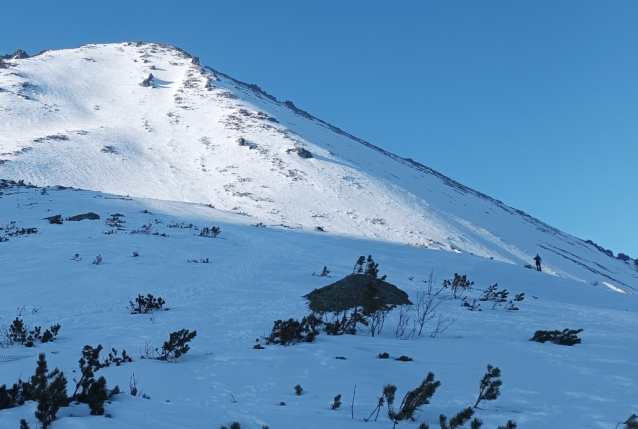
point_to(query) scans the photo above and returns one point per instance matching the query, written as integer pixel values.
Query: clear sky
(533, 103)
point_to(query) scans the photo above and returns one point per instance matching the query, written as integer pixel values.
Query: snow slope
(256, 275)
(82, 118)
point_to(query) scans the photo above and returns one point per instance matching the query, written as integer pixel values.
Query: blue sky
(533, 103)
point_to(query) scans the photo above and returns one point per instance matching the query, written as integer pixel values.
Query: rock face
(348, 293)
(89, 216)
(303, 152)
(19, 54)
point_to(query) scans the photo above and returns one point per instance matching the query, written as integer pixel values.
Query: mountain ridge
(177, 140)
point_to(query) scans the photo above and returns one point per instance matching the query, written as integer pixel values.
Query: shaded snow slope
(83, 118)
(256, 275)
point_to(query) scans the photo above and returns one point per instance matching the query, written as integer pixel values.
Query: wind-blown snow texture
(82, 118)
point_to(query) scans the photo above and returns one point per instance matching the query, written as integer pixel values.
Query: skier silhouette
(538, 262)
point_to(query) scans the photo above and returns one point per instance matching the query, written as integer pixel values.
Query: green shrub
(177, 345)
(293, 331)
(568, 337)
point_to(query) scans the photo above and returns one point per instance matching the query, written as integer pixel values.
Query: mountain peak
(148, 120)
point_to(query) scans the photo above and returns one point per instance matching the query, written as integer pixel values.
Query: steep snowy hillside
(148, 120)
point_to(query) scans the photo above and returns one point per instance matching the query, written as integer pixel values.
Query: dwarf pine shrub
(294, 331)
(337, 402)
(89, 365)
(210, 232)
(489, 388)
(568, 337)
(177, 345)
(49, 390)
(96, 396)
(459, 286)
(631, 422)
(414, 399)
(145, 304)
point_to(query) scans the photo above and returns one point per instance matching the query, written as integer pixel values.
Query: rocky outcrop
(148, 81)
(348, 292)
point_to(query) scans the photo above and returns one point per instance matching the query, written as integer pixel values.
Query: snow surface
(257, 275)
(167, 154)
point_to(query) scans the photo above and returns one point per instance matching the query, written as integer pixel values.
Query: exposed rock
(348, 293)
(19, 54)
(195, 61)
(89, 216)
(241, 141)
(301, 152)
(148, 81)
(57, 219)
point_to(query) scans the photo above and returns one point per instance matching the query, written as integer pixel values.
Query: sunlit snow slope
(85, 118)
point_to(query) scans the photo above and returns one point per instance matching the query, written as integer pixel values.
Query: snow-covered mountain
(148, 120)
(159, 158)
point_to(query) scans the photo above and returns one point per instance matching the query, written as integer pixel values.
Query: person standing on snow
(538, 262)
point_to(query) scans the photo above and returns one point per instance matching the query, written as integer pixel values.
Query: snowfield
(259, 274)
(81, 132)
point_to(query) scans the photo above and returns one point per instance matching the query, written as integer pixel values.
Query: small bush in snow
(97, 260)
(18, 332)
(459, 286)
(146, 304)
(293, 331)
(494, 295)
(89, 365)
(97, 394)
(384, 355)
(49, 390)
(298, 390)
(324, 273)
(568, 337)
(117, 360)
(631, 422)
(177, 345)
(17, 395)
(411, 402)
(489, 388)
(210, 232)
(337, 402)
